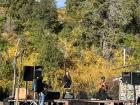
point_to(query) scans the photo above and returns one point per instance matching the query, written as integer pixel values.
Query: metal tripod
(34, 99)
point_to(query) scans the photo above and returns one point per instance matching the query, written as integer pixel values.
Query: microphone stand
(34, 97)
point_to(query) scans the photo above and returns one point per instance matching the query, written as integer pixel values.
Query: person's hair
(103, 78)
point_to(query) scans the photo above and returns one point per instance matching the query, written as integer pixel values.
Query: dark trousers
(102, 95)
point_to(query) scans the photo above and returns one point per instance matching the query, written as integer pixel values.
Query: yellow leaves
(78, 30)
(68, 48)
(26, 59)
(91, 67)
(30, 60)
(88, 56)
(10, 52)
(5, 83)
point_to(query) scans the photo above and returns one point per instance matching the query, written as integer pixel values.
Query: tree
(6, 70)
(49, 55)
(104, 22)
(120, 12)
(46, 13)
(21, 12)
(21, 9)
(72, 6)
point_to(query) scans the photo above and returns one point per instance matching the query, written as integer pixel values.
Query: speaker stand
(34, 100)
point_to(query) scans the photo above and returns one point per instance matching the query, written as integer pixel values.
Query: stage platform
(92, 102)
(21, 102)
(76, 102)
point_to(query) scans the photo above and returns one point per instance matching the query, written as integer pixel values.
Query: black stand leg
(54, 103)
(49, 103)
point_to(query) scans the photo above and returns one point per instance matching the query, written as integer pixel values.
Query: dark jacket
(39, 85)
(67, 81)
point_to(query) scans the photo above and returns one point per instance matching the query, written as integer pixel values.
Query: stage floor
(75, 102)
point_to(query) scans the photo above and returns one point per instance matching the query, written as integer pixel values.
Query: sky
(60, 3)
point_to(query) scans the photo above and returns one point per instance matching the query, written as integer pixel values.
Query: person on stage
(103, 89)
(67, 86)
(67, 80)
(40, 86)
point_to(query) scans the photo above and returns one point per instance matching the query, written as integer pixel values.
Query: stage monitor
(132, 78)
(31, 72)
(135, 78)
(52, 95)
(126, 77)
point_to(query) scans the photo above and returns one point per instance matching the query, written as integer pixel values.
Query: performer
(67, 80)
(40, 86)
(103, 88)
(67, 86)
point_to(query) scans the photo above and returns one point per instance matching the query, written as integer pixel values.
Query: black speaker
(28, 73)
(31, 72)
(126, 77)
(52, 95)
(138, 100)
(135, 78)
